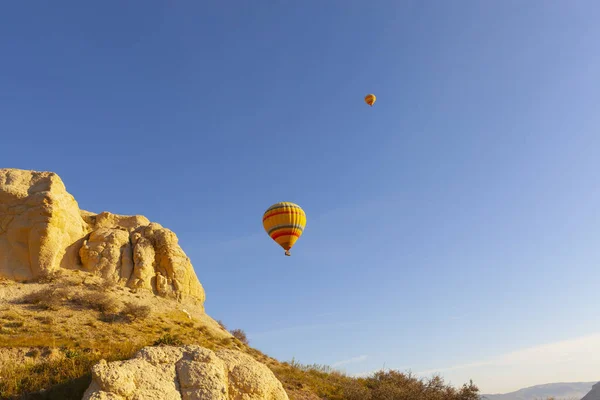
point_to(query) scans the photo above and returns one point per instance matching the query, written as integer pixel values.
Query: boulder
(186, 372)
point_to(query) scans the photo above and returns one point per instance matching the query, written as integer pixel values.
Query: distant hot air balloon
(370, 99)
(284, 222)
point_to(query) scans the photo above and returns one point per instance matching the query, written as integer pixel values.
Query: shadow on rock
(71, 390)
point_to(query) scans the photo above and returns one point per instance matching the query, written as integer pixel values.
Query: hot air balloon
(284, 222)
(370, 99)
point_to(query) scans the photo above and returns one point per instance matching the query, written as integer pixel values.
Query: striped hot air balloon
(370, 99)
(284, 222)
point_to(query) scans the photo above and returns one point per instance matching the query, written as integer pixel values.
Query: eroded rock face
(139, 256)
(39, 223)
(42, 229)
(105, 253)
(188, 373)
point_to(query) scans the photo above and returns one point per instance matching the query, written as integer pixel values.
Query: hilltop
(557, 391)
(77, 288)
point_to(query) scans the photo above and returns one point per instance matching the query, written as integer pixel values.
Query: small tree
(240, 335)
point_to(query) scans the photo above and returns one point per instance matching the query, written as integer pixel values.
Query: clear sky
(451, 226)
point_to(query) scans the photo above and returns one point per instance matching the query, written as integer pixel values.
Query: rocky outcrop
(106, 252)
(39, 222)
(188, 373)
(139, 256)
(42, 230)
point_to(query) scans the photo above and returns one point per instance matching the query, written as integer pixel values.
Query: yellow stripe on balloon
(284, 222)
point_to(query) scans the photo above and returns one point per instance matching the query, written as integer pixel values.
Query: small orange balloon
(370, 99)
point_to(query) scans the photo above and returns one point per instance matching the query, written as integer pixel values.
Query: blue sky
(453, 222)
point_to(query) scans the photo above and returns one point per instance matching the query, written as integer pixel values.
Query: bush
(240, 335)
(110, 317)
(134, 311)
(98, 301)
(396, 385)
(330, 384)
(353, 390)
(168, 340)
(47, 298)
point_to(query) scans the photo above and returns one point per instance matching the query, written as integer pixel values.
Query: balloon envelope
(284, 222)
(370, 99)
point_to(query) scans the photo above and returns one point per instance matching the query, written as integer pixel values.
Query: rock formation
(39, 221)
(188, 373)
(43, 230)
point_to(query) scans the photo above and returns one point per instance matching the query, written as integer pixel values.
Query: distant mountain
(560, 391)
(593, 394)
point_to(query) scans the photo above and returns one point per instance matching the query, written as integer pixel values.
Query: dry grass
(71, 366)
(80, 351)
(89, 320)
(117, 332)
(69, 324)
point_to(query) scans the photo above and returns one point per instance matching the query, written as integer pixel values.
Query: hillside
(77, 288)
(558, 391)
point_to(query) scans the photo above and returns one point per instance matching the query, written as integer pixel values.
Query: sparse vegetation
(110, 317)
(70, 353)
(49, 298)
(53, 297)
(10, 316)
(16, 324)
(74, 329)
(240, 335)
(136, 311)
(327, 383)
(71, 371)
(168, 340)
(99, 301)
(46, 319)
(51, 276)
(34, 353)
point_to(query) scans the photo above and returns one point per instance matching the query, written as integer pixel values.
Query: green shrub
(168, 340)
